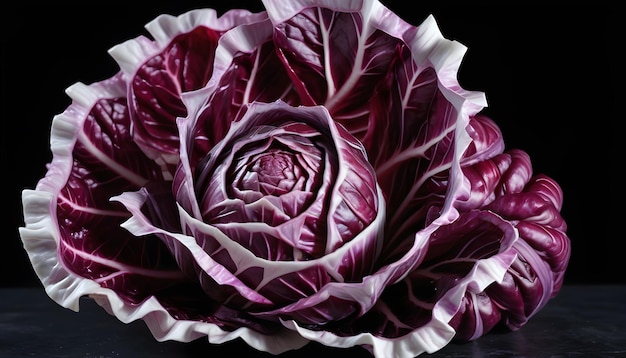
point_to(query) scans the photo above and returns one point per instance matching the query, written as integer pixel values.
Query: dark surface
(582, 321)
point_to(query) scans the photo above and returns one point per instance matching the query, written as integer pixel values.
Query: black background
(550, 74)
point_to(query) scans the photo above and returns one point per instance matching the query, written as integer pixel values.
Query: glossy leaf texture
(312, 172)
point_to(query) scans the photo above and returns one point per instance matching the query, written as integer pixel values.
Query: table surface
(582, 321)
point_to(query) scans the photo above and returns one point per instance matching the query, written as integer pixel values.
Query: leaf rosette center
(274, 173)
(287, 183)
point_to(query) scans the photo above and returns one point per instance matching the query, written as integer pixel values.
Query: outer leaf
(106, 162)
(94, 158)
(414, 315)
(334, 54)
(245, 62)
(506, 186)
(180, 60)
